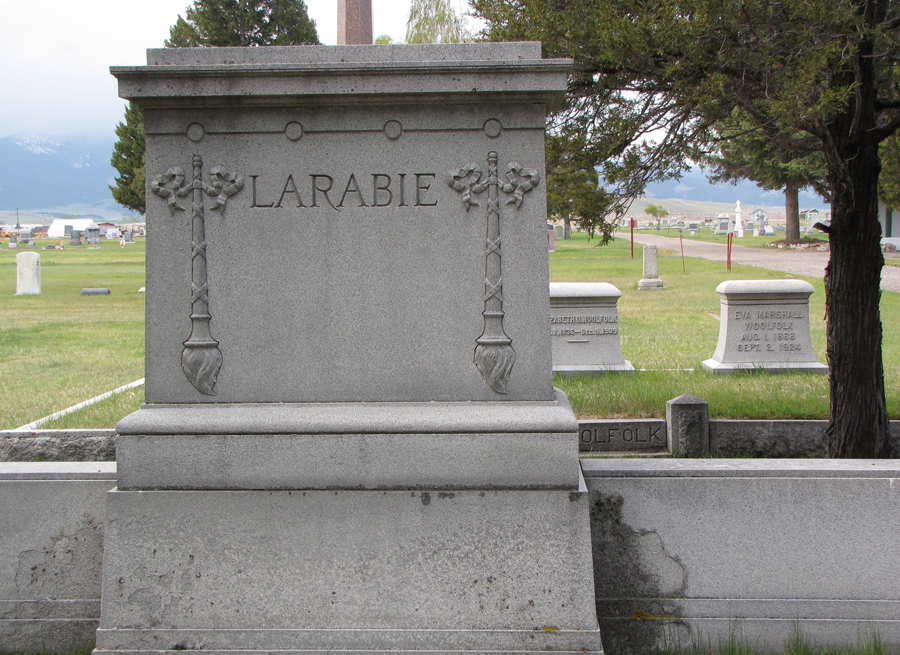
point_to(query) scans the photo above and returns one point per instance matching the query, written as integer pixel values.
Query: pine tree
(208, 23)
(128, 159)
(243, 23)
(744, 153)
(810, 74)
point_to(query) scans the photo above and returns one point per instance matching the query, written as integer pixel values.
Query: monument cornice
(246, 76)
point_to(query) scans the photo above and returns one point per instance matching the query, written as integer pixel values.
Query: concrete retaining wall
(681, 547)
(52, 517)
(691, 547)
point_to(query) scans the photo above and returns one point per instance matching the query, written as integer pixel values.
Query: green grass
(868, 642)
(60, 348)
(674, 329)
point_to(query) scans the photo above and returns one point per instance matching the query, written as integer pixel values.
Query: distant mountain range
(43, 175)
(48, 175)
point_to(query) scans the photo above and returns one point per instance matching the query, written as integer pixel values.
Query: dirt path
(798, 262)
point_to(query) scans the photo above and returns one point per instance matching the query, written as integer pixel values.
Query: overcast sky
(54, 75)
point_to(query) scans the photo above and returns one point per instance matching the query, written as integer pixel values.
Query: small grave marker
(28, 274)
(651, 270)
(584, 329)
(764, 325)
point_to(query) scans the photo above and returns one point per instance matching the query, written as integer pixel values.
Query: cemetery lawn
(61, 348)
(667, 333)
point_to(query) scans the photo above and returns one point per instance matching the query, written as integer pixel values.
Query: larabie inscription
(584, 329)
(329, 190)
(764, 324)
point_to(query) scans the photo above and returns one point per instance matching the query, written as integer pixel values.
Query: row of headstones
(763, 229)
(90, 235)
(763, 324)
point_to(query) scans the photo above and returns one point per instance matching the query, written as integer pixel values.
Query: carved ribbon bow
(224, 185)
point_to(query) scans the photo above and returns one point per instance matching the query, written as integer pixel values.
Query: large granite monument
(350, 440)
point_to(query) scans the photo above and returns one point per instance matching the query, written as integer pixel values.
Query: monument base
(651, 283)
(717, 367)
(572, 370)
(500, 571)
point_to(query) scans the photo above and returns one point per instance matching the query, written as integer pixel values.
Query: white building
(890, 225)
(57, 228)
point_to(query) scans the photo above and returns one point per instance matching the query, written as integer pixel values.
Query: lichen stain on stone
(426, 498)
(67, 566)
(634, 577)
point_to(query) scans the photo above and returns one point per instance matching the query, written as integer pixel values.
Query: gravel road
(797, 262)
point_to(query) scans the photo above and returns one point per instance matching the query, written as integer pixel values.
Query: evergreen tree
(208, 23)
(243, 23)
(743, 153)
(810, 75)
(434, 21)
(574, 194)
(889, 180)
(128, 159)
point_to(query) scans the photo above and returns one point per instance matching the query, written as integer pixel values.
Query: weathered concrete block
(58, 446)
(52, 517)
(687, 422)
(699, 548)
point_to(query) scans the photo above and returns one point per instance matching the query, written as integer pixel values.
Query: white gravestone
(367, 453)
(584, 329)
(28, 274)
(764, 325)
(738, 223)
(651, 270)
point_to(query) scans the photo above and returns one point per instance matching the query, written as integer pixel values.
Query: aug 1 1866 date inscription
(330, 191)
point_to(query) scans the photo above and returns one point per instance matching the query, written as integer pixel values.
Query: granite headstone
(764, 325)
(366, 453)
(584, 329)
(28, 274)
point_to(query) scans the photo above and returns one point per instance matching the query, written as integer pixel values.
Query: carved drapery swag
(201, 358)
(494, 354)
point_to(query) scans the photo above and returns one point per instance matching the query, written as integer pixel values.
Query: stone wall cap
(353, 418)
(754, 287)
(466, 73)
(583, 290)
(741, 468)
(57, 471)
(348, 54)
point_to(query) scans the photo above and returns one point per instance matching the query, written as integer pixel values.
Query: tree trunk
(858, 426)
(568, 231)
(791, 211)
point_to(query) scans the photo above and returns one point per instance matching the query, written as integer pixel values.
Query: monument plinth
(350, 439)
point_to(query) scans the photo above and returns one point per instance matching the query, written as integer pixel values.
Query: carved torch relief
(201, 358)
(494, 354)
